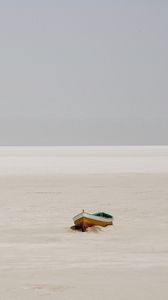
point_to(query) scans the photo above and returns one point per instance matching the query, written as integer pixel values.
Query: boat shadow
(95, 229)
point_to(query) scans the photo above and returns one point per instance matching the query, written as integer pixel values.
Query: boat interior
(103, 215)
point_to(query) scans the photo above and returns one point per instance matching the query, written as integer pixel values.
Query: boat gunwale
(91, 216)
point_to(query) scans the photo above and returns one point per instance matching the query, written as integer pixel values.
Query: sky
(90, 72)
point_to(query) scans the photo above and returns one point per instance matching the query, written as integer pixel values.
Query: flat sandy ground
(41, 257)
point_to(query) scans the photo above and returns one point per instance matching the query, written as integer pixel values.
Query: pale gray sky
(83, 72)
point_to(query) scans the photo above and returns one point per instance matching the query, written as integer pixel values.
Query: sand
(41, 257)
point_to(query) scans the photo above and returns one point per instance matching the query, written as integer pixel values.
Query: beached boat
(84, 220)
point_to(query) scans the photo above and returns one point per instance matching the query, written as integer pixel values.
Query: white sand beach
(41, 257)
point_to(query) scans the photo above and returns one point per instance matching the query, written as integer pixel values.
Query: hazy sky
(83, 72)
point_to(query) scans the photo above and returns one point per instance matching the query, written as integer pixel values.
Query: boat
(85, 220)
